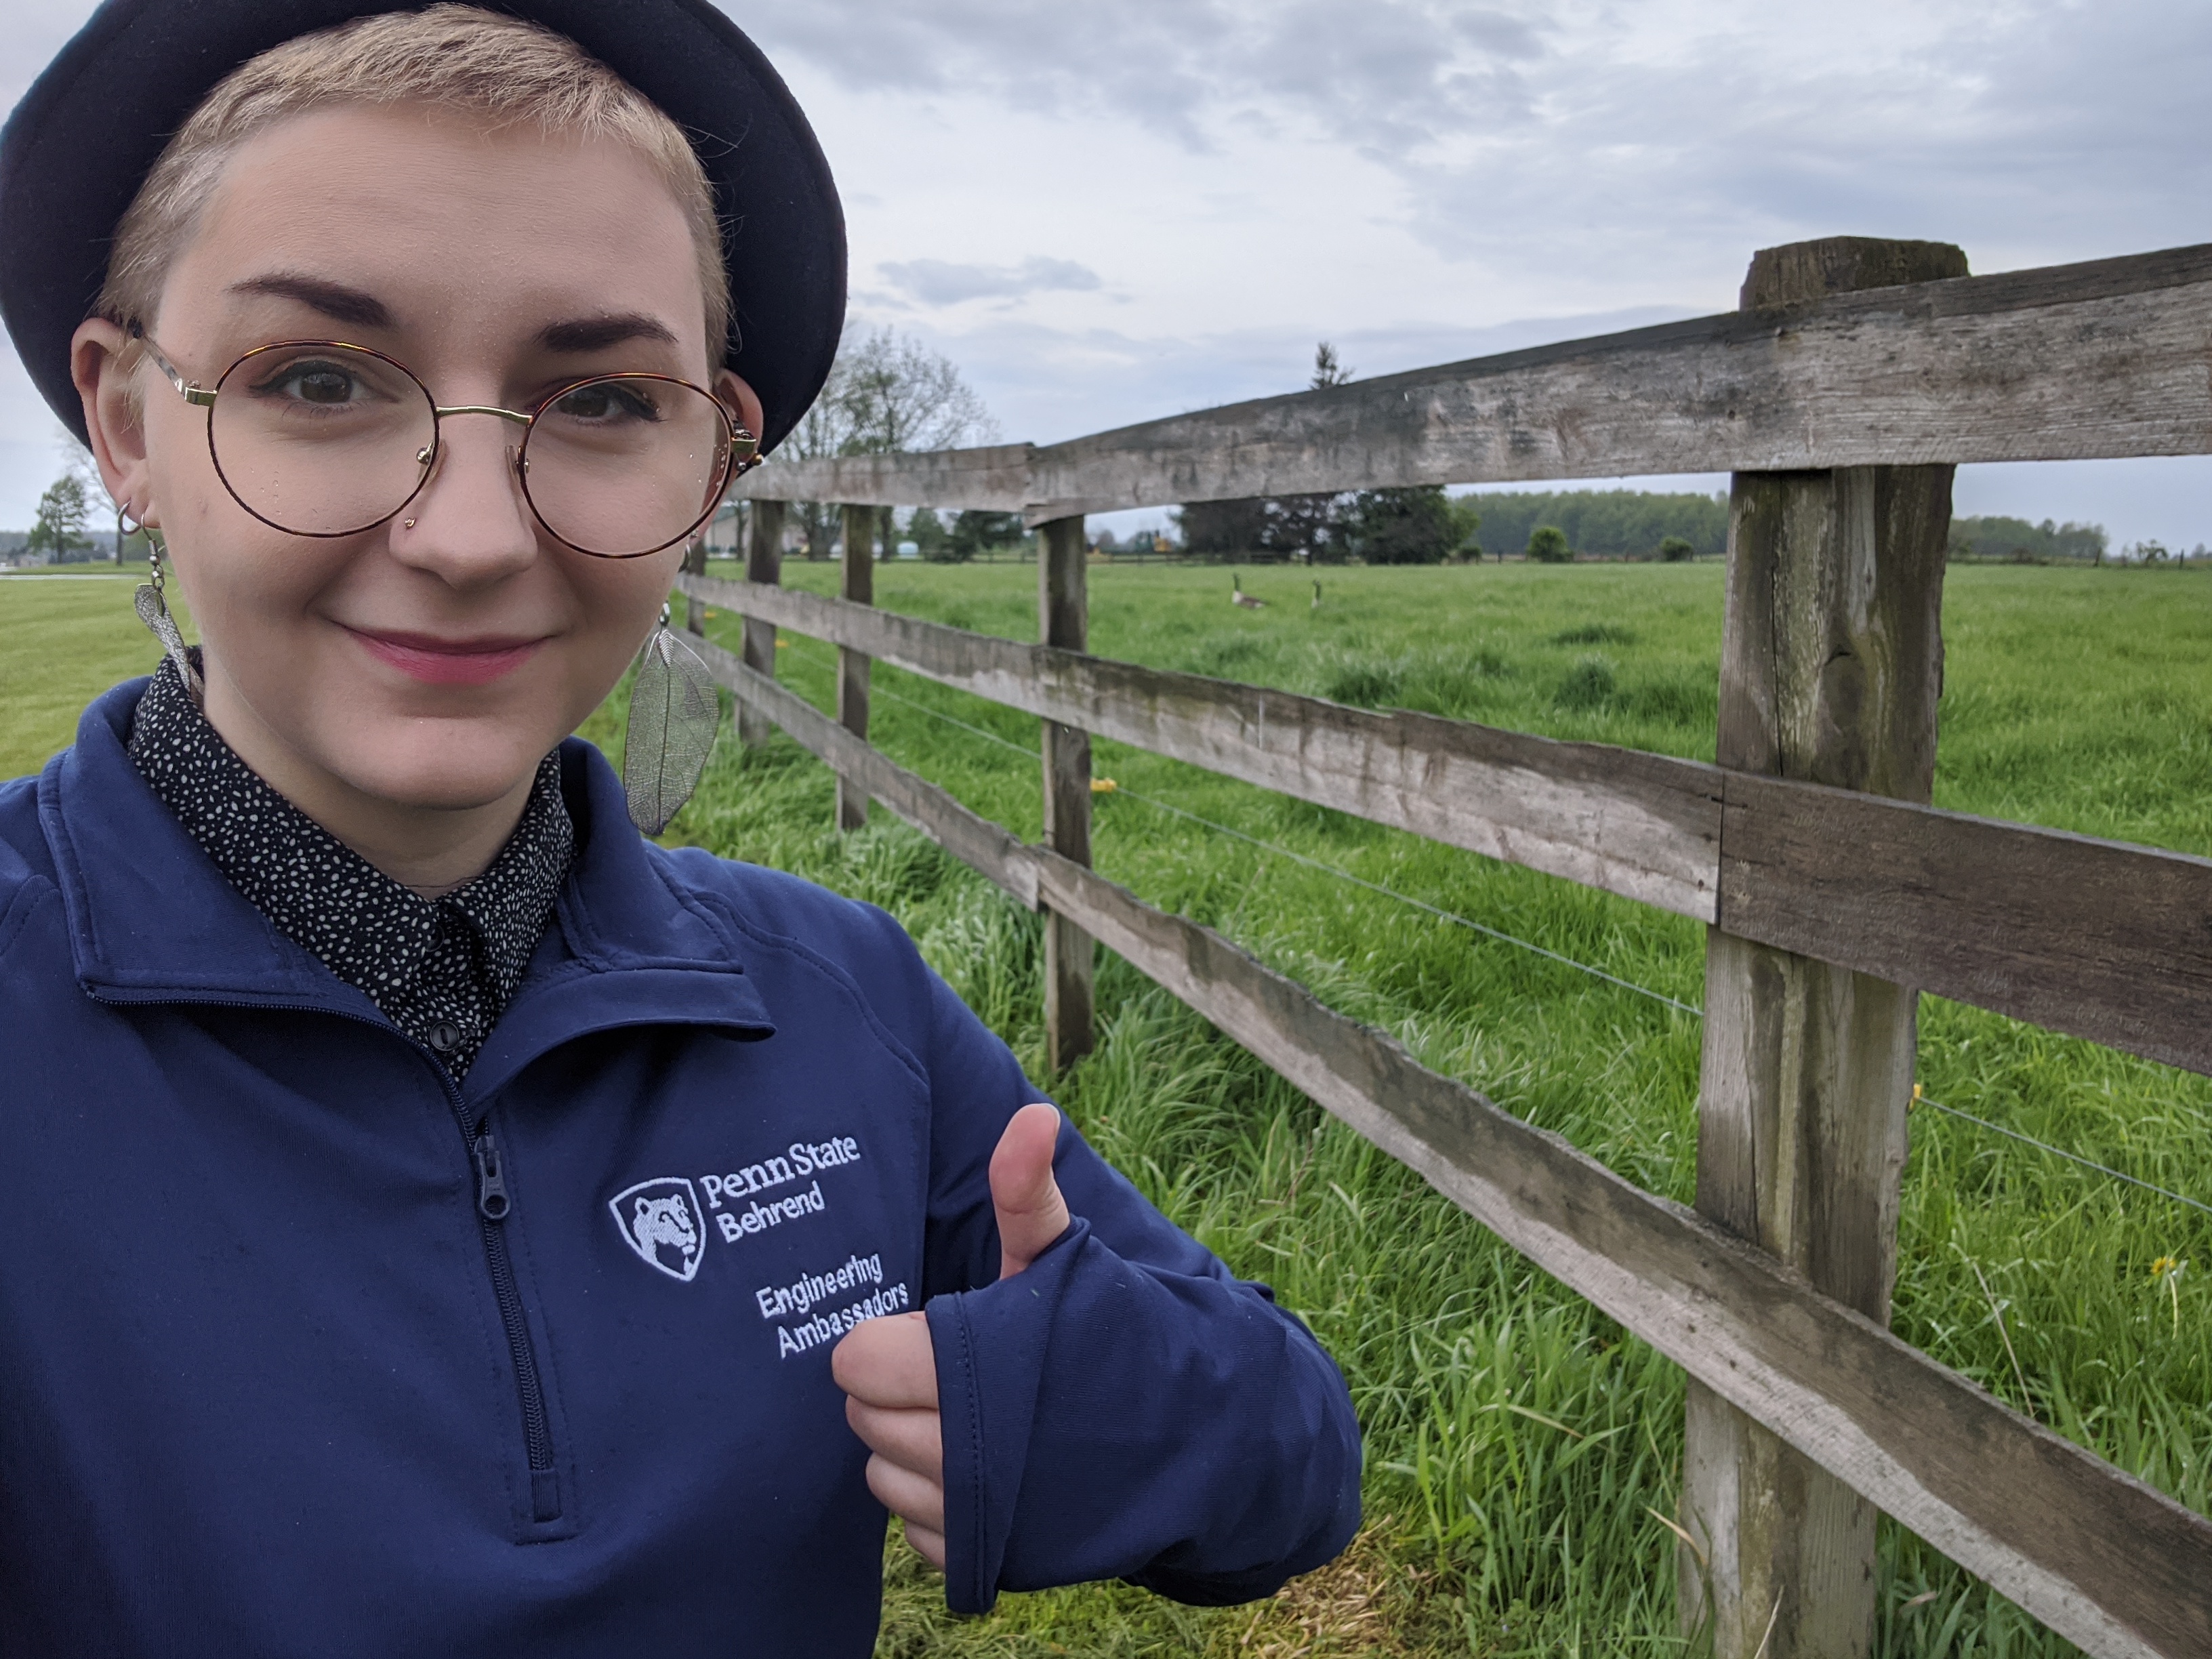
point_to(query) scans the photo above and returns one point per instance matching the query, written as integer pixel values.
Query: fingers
(930, 1545)
(888, 1370)
(912, 1439)
(1032, 1215)
(914, 1499)
(890, 1363)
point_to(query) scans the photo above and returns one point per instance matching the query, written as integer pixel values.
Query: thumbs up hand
(1032, 1215)
(888, 1367)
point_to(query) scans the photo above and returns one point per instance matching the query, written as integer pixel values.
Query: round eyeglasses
(320, 438)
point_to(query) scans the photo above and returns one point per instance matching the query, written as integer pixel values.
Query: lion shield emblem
(661, 1221)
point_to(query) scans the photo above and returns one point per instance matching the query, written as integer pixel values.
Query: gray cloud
(1529, 131)
(940, 282)
(1578, 155)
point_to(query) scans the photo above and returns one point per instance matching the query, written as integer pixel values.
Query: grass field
(1518, 1443)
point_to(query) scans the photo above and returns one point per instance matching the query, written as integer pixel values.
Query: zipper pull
(491, 1181)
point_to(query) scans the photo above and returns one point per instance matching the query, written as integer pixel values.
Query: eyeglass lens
(324, 439)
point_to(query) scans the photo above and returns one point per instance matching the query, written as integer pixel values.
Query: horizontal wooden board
(1644, 826)
(2109, 1563)
(2110, 358)
(970, 837)
(995, 479)
(2104, 1560)
(2095, 939)
(2092, 938)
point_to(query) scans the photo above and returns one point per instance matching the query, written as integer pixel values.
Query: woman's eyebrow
(597, 333)
(334, 300)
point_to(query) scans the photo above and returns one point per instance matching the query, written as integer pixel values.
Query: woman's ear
(732, 391)
(114, 417)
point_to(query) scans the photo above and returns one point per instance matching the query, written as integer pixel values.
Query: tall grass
(1518, 1443)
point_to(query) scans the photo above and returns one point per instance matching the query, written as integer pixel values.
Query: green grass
(63, 640)
(1518, 1441)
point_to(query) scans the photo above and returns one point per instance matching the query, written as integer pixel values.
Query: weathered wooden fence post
(1832, 660)
(763, 563)
(851, 666)
(695, 564)
(1064, 620)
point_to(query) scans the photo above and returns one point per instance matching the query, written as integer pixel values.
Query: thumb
(1031, 1213)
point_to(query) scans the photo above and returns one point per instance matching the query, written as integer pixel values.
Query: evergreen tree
(1410, 526)
(977, 532)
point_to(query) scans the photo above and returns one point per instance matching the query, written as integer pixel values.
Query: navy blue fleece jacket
(274, 1382)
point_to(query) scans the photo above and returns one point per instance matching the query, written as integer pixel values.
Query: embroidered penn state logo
(661, 1221)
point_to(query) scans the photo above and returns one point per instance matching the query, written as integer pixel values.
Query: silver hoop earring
(154, 610)
(675, 712)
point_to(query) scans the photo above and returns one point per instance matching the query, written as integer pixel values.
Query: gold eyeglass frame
(742, 446)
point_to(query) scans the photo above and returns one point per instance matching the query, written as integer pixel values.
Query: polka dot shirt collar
(442, 970)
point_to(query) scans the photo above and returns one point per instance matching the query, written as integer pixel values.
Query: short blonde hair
(502, 70)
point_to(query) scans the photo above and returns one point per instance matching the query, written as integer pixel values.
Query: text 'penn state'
(800, 1158)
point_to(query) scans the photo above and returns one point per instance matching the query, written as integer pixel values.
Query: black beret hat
(84, 137)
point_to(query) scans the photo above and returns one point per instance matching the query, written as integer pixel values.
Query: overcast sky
(1106, 213)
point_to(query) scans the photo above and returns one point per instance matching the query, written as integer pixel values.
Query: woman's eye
(603, 405)
(323, 386)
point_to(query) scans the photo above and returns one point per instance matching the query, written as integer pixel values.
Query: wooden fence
(1855, 375)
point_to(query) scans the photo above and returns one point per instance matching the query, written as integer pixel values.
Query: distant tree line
(1996, 537)
(1418, 525)
(1426, 527)
(1619, 523)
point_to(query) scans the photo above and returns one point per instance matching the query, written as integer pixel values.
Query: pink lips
(448, 662)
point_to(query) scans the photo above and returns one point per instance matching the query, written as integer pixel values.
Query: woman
(433, 1218)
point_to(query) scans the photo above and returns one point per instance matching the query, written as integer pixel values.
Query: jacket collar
(151, 918)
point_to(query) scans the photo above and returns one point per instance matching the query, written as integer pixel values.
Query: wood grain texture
(1644, 826)
(860, 588)
(2095, 939)
(2102, 1558)
(763, 565)
(2109, 358)
(2114, 1566)
(1832, 660)
(1063, 622)
(994, 479)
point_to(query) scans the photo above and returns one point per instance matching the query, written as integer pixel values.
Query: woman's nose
(470, 524)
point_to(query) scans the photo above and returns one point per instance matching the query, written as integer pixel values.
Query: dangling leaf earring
(674, 713)
(154, 611)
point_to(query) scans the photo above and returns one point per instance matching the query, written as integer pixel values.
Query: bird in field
(1316, 603)
(1237, 595)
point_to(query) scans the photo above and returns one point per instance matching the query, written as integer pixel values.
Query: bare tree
(889, 393)
(78, 464)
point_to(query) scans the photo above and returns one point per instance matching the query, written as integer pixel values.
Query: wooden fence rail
(2100, 1557)
(2095, 939)
(2072, 362)
(1855, 374)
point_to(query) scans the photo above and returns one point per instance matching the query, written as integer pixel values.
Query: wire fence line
(1919, 1097)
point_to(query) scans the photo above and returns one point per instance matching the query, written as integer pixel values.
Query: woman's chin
(452, 771)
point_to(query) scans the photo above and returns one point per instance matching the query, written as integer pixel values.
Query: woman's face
(431, 661)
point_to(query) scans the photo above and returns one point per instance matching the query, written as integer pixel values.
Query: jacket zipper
(492, 1206)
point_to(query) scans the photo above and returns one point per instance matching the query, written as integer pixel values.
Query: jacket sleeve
(1126, 1408)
